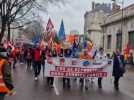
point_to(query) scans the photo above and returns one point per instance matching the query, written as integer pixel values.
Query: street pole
(122, 23)
(120, 34)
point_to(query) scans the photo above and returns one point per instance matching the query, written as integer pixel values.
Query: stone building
(93, 20)
(118, 29)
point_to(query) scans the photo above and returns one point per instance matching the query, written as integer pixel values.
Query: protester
(17, 53)
(50, 80)
(66, 81)
(54, 53)
(29, 58)
(67, 52)
(25, 55)
(61, 54)
(32, 52)
(22, 56)
(14, 56)
(6, 83)
(43, 58)
(118, 68)
(37, 62)
(101, 58)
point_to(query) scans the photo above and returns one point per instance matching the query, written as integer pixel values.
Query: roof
(128, 7)
(117, 16)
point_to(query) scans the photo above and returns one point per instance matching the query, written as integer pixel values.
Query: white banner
(70, 67)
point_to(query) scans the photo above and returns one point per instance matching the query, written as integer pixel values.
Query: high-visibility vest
(3, 88)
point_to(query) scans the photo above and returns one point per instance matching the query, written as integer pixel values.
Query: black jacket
(117, 68)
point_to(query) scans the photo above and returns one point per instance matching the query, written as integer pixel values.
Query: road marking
(55, 84)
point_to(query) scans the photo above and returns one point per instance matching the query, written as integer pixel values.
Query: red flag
(128, 48)
(51, 35)
(50, 43)
(129, 45)
(127, 51)
(49, 26)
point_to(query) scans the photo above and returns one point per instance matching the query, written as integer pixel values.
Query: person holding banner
(101, 58)
(48, 58)
(54, 53)
(66, 81)
(61, 54)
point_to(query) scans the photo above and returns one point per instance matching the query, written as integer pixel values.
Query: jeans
(14, 63)
(37, 68)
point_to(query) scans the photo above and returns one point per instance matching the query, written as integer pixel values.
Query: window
(119, 41)
(109, 40)
(131, 39)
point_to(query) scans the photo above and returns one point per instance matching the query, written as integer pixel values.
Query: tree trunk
(9, 33)
(3, 28)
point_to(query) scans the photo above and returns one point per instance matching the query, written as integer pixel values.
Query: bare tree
(9, 10)
(12, 11)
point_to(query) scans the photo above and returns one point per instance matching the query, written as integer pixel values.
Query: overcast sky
(72, 13)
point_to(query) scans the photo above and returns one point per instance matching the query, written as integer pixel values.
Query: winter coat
(37, 55)
(117, 67)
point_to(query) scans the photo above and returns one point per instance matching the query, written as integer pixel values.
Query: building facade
(93, 20)
(118, 29)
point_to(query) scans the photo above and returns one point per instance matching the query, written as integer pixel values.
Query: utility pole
(122, 21)
(120, 34)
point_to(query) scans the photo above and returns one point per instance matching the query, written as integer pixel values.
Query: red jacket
(37, 55)
(14, 53)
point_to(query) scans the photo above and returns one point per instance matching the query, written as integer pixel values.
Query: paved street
(28, 89)
(71, 39)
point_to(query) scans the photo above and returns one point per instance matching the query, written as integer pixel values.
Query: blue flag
(75, 50)
(36, 39)
(94, 52)
(61, 33)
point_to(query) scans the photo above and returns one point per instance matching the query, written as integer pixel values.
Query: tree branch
(29, 8)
